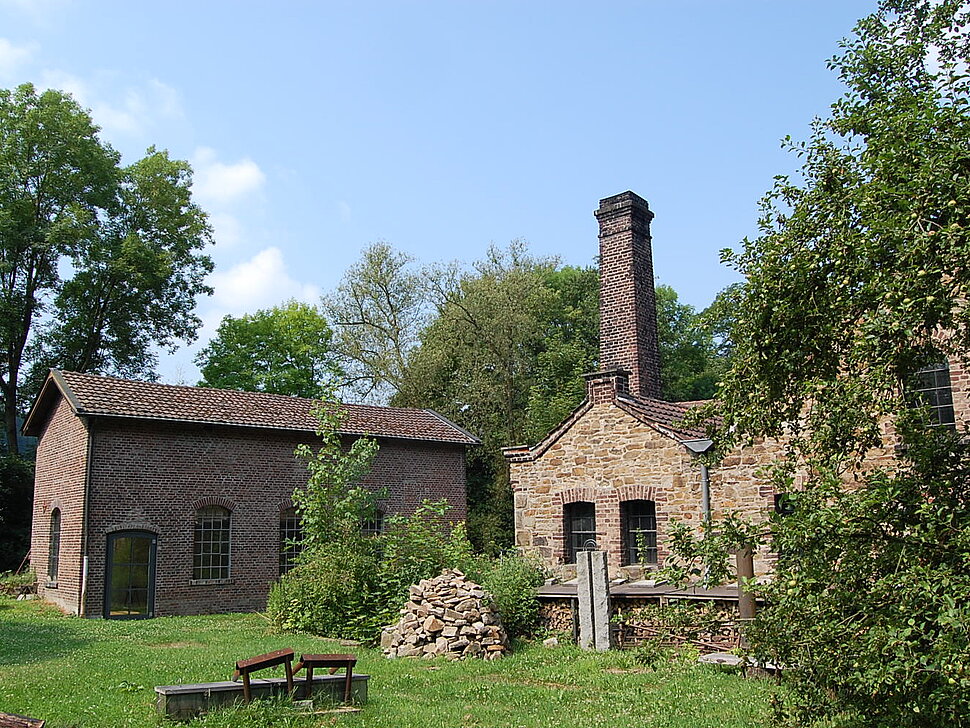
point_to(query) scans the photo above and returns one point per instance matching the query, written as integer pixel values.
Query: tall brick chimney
(628, 303)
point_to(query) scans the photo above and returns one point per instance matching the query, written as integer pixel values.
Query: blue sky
(316, 128)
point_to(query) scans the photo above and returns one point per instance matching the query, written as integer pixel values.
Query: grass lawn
(75, 672)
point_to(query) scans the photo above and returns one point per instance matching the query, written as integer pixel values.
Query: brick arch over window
(577, 494)
(285, 504)
(216, 500)
(133, 526)
(637, 492)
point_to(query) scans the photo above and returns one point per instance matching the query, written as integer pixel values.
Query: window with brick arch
(580, 528)
(291, 539)
(54, 545)
(212, 543)
(930, 388)
(639, 523)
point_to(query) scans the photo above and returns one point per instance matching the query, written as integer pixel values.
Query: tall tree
(688, 360)
(505, 357)
(128, 239)
(286, 349)
(476, 366)
(568, 347)
(858, 280)
(378, 311)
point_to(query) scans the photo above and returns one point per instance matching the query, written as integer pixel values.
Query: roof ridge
(98, 395)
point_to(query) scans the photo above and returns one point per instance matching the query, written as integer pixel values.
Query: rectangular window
(931, 389)
(291, 539)
(211, 557)
(54, 546)
(580, 527)
(784, 505)
(639, 518)
(373, 526)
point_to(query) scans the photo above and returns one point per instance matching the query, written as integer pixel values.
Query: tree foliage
(334, 504)
(16, 500)
(98, 263)
(505, 354)
(286, 349)
(858, 279)
(378, 311)
(689, 364)
(477, 364)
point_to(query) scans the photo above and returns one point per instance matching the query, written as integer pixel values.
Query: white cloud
(226, 229)
(345, 211)
(221, 183)
(259, 282)
(63, 81)
(131, 111)
(13, 57)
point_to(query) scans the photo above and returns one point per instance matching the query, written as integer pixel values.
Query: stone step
(183, 702)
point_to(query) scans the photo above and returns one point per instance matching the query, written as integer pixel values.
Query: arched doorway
(129, 585)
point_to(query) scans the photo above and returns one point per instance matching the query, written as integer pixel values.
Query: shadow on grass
(25, 642)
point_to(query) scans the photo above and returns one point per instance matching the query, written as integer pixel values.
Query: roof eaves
(263, 426)
(32, 424)
(523, 453)
(474, 439)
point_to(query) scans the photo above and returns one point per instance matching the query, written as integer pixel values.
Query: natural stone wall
(606, 457)
(449, 616)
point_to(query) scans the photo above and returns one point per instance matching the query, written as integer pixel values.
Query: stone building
(152, 499)
(623, 465)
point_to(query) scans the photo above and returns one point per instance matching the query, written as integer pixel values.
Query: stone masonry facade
(607, 456)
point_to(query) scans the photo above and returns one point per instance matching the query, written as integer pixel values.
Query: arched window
(291, 538)
(639, 524)
(580, 528)
(211, 555)
(54, 546)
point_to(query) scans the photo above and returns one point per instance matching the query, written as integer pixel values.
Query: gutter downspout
(85, 507)
(705, 493)
(701, 447)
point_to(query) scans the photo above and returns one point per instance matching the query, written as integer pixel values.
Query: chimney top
(628, 302)
(623, 201)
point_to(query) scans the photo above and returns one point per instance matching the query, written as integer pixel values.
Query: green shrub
(332, 591)
(511, 579)
(352, 587)
(11, 583)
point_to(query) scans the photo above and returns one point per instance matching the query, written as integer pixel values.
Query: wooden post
(745, 569)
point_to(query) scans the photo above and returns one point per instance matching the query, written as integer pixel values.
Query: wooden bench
(9, 720)
(334, 663)
(261, 662)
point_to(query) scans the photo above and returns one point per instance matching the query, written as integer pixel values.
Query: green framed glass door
(129, 588)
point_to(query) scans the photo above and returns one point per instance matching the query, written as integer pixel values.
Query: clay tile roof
(91, 394)
(666, 415)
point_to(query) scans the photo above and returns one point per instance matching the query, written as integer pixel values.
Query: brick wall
(628, 305)
(59, 483)
(153, 476)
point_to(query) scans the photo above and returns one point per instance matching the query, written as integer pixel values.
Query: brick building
(623, 464)
(153, 499)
